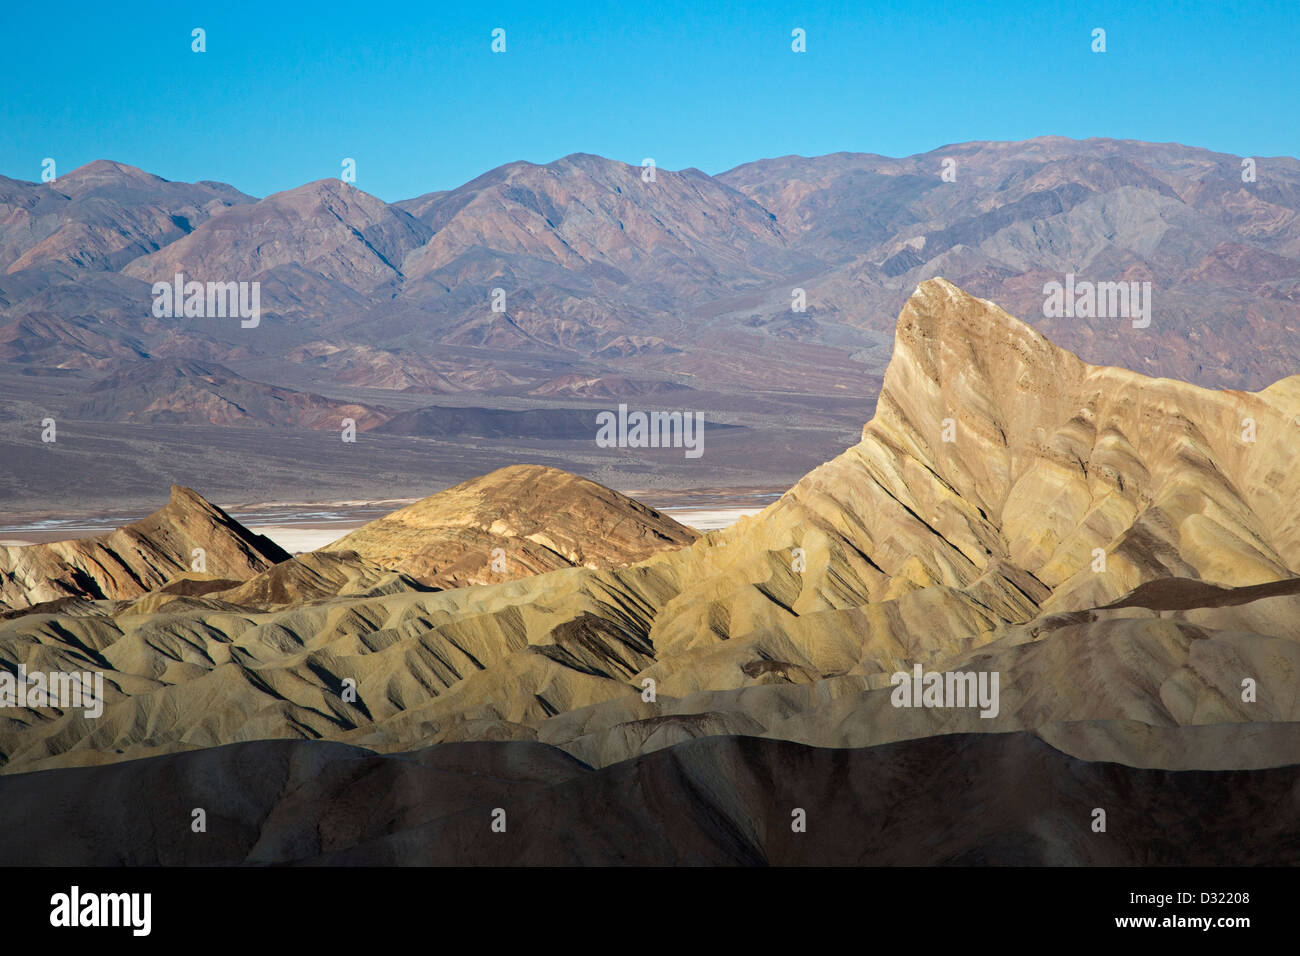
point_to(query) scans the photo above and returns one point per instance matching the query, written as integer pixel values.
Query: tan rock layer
(516, 521)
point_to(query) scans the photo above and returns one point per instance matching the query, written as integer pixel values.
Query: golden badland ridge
(515, 522)
(137, 558)
(1120, 550)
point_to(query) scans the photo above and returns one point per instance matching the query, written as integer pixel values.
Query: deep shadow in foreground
(960, 799)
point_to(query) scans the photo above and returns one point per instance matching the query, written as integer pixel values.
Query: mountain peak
(322, 191)
(938, 307)
(331, 185)
(183, 498)
(101, 171)
(955, 351)
(354, 239)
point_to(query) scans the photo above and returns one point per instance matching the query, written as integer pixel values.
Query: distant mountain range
(604, 270)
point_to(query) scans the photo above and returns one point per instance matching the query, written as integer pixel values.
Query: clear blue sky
(413, 92)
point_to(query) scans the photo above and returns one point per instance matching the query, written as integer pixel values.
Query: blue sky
(415, 95)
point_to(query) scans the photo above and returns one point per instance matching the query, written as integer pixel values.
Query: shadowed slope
(722, 801)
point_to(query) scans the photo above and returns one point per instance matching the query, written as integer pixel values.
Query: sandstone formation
(137, 557)
(527, 519)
